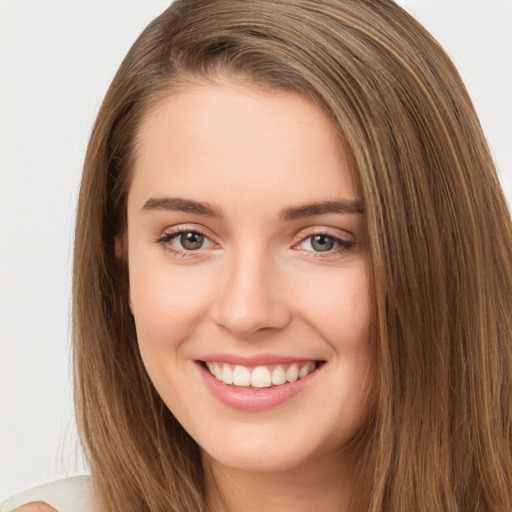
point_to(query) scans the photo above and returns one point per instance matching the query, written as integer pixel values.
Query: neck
(324, 485)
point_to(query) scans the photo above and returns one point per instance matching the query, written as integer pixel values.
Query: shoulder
(35, 506)
(73, 494)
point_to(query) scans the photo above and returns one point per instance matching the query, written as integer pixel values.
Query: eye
(190, 240)
(185, 241)
(323, 243)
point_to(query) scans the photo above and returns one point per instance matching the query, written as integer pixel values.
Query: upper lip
(254, 360)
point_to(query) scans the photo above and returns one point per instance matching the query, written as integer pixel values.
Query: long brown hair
(440, 242)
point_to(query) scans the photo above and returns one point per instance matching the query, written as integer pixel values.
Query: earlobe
(119, 252)
(129, 299)
(118, 248)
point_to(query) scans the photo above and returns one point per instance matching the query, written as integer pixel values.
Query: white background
(57, 58)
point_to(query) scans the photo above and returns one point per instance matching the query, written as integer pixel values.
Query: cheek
(339, 305)
(167, 302)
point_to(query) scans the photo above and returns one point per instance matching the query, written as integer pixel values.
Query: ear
(118, 248)
(119, 252)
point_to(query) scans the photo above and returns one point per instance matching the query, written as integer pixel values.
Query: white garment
(74, 494)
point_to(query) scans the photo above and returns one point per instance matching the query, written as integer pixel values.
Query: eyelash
(342, 244)
(166, 238)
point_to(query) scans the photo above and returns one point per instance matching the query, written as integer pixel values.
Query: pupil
(191, 241)
(322, 243)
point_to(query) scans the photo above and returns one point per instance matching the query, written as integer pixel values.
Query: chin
(256, 461)
(276, 450)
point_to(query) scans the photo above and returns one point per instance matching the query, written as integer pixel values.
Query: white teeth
(217, 371)
(306, 369)
(292, 374)
(241, 376)
(278, 376)
(227, 374)
(260, 376)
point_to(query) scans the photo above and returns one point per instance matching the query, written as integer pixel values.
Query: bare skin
(256, 180)
(36, 506)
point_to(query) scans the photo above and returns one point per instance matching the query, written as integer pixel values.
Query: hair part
(440, 244)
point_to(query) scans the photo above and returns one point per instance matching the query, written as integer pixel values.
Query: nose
(250, 298)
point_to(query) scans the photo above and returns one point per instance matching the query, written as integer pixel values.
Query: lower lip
(249, 399)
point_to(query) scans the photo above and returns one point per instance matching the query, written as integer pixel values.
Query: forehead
(234, 138)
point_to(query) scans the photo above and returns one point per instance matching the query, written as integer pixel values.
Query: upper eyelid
(184, 228)
(338, 233)
(301, 235)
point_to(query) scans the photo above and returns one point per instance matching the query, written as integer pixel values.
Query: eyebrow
(322, 208)
(291, 213)
(181, 205)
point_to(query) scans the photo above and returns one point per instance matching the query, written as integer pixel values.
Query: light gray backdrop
(57, 58)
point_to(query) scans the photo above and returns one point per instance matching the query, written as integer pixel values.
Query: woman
(292, 283)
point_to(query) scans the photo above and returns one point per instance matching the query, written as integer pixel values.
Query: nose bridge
(249, 298)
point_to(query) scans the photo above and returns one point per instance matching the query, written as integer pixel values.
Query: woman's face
(249, 275)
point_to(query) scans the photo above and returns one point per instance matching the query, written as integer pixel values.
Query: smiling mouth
(260, 377)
